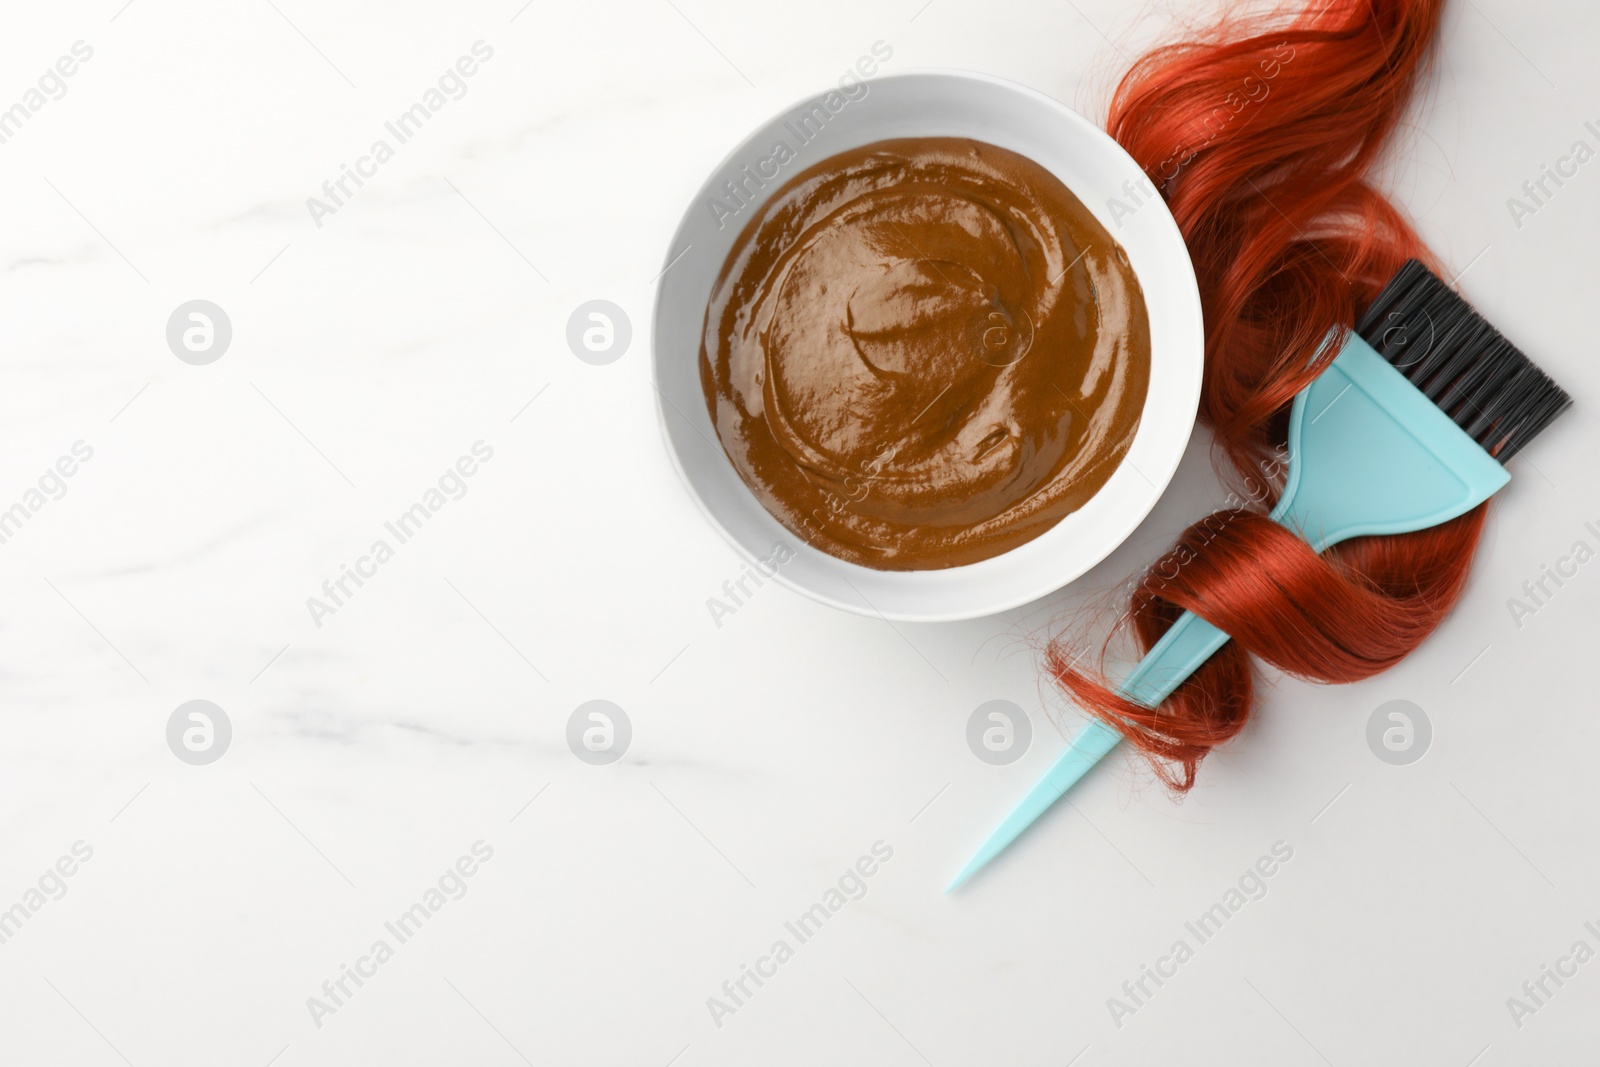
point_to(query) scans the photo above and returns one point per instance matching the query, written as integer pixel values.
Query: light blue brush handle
(1182, 649)
(1368, 454)
(1188, 643)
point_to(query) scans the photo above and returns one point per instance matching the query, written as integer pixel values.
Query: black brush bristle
(1460, 362)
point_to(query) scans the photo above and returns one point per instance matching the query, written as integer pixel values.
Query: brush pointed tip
(974, 865)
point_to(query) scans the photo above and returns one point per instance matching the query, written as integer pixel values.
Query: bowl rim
(1049, 583)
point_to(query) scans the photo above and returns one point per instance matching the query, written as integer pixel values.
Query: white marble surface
(371, 752)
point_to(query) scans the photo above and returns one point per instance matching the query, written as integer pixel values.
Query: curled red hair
(1261, 138)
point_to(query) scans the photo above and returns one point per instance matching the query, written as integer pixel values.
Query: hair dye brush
(1408, 427)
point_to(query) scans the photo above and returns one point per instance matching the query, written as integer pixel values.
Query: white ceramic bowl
(1095, 168)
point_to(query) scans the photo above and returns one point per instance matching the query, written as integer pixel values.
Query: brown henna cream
(925, 352)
